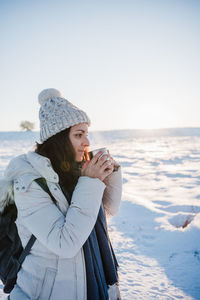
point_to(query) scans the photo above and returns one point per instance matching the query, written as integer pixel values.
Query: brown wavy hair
(60, 151)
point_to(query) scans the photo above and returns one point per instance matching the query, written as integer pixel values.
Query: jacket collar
(24, 168)
(43, 166)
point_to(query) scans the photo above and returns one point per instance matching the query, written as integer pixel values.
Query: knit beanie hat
(57, 113)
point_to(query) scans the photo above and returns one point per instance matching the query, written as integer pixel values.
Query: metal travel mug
(94, 152)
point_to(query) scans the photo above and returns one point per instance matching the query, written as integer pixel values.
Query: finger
(108, 153)
(102, 160)
(107, 164)
(112, 160)
(110, 157)
(96, 157)
(85, 164)
(111, 168)
(108, 171)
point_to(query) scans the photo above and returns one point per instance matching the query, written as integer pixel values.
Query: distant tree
(26, 125)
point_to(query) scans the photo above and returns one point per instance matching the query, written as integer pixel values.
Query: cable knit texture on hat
(57, 113)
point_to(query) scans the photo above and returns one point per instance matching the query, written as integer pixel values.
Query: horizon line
(120, 129)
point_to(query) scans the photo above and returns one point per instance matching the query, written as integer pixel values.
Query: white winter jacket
(55, 267)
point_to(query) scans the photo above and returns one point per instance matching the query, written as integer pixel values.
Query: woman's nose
(86, 142)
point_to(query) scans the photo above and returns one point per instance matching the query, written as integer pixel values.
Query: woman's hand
(98, 167)
(114, 164)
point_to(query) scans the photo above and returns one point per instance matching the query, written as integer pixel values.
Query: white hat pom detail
(47, 94)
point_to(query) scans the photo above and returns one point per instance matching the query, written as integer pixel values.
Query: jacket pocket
(48, 283)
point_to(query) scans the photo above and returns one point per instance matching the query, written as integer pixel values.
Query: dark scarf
(100, 260)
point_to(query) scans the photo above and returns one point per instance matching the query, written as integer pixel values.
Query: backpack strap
(42, 183)
(27, 249)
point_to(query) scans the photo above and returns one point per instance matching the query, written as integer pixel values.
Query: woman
(72, 257)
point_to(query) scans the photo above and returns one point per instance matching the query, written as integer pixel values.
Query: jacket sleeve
(113, 192)
(63, 235)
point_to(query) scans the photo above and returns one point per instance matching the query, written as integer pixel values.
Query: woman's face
(78, 136)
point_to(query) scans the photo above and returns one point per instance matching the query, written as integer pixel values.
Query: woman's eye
(78, 134)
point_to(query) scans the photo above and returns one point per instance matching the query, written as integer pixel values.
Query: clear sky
(128, 64)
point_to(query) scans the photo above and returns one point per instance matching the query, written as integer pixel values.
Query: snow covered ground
(156, 234)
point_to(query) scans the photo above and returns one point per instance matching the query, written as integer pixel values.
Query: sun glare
(151, 117)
